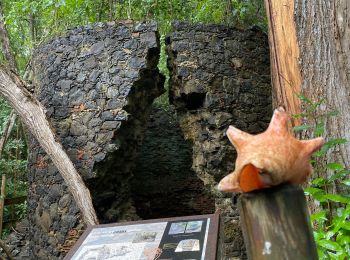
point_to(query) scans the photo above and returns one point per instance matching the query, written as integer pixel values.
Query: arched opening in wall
(164, 185)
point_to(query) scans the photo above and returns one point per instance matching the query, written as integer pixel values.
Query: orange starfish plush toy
(270, 158)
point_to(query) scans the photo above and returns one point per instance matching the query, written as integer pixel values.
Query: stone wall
(164, 184)
(220, 76)
(97, 84)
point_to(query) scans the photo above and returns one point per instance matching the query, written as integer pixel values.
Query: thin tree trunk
(6, 47)
(2, 201)
(323, 34)
(32, 23)
(7, 131)
(33, 116)
(111, 10)
(229, 12)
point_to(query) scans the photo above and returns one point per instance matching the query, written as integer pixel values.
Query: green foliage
(331, 222)
(30, 22)
(247, 13)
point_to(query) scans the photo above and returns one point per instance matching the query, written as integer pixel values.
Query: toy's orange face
(270, 158)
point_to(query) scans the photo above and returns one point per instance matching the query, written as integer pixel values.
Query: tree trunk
(7, 131)
(323, 34)
(33, 115)
(310, 54)
(284, 54)
(6, 47)
(111, 7)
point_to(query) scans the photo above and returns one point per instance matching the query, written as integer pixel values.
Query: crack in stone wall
(97, 83)
(220, 76)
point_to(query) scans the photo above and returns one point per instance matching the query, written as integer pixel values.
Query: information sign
(180, 238)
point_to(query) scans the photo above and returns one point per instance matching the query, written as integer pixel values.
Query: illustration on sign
(152, 241)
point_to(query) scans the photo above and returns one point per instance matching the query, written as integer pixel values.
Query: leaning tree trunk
(323, 33)
(33, 115)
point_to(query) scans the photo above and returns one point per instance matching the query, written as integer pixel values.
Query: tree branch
(33, 116)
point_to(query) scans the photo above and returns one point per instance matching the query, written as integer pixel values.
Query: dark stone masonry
(164, 184)
(220, 76)
(97, 83)
(140, 159)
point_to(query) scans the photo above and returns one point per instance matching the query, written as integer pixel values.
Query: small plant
(331, 218)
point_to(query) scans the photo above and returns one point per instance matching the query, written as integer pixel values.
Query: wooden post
(276, 224)
(2, 200)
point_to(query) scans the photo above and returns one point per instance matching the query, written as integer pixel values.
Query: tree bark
(323, 35)
(284, 54)
(33, 115)
(310, 55)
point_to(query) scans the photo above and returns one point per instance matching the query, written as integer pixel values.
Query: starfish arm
(237, 137)
(229, 183)
(310, 146)
(279, 121)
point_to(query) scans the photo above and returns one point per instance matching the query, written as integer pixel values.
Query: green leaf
(301, 115)
(337, 198)
(339, 175)
(301, 128)
(312, 191)
(335, 166)
(337, 256)
(329, 234)
(346, 182)
(321, 254)
(319, 181)
(336, 141)
(305, 99)
(318, 216)
(346, 225)
(319, 129)
(343, 240)
(330, 245)
(332, 113)
(319, 235)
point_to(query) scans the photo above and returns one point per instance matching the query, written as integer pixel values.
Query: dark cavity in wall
(164, 185)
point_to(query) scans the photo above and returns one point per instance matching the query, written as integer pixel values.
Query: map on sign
(172, 239)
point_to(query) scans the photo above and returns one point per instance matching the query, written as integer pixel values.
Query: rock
(108, 125)
(64, 201)
(64, 85)
(77, 128)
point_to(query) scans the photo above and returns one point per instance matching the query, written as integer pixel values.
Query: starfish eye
(250, 178)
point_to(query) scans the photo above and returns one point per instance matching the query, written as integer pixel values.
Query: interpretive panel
(191, 238)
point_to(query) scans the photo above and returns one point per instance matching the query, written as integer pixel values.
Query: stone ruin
(98, 84)
(220, 76)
